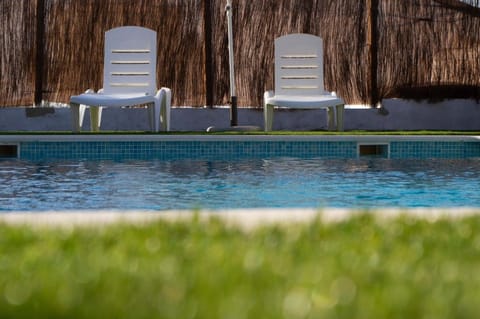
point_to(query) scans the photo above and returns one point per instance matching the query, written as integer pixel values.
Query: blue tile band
(170, 150)
(225, 150)
(434, 149)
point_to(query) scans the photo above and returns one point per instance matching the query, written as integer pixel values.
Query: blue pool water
(277, 182)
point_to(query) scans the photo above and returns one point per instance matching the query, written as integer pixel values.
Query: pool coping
(215, 138)
(242, 218)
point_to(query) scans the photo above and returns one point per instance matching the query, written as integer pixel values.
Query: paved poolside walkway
(244, 218)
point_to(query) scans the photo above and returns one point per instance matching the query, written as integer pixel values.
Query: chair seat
(304, 102)
(113, 100)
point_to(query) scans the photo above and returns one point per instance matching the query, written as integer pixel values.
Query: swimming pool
(246, 183)
(185, 172)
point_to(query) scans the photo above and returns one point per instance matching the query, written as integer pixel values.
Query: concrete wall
(399, 115)
(410, 115)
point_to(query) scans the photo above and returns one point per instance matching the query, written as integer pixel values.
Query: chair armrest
(167, 90)
(333, 93)
(164, 90)
(268, 94)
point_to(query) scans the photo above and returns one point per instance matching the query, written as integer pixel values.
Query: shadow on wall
(436, 93)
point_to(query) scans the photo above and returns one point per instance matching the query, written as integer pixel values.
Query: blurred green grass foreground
(362, 267)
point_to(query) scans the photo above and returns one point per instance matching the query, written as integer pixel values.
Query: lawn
(363, 267)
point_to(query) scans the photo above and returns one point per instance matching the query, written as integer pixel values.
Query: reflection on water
(280, 182)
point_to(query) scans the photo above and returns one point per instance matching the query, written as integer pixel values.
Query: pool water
(278, 182)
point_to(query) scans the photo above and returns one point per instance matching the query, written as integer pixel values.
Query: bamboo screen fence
(374, 49)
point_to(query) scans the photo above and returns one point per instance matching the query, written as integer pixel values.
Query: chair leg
(165, 118)
(268, 117)
(152, 109)
(330, 118)
(340, 109)
(78, 112)
(95, 118)
(165, 100)
(167, 106)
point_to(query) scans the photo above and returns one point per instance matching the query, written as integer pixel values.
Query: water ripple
(282, 182)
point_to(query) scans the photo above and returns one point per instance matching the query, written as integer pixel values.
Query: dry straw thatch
(74, 41)
(17, 40)
(429, 49)
(424, 48)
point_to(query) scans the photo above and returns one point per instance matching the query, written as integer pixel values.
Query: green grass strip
(359, 268)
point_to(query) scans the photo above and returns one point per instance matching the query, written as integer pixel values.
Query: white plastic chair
(129, 79)
(299, 80)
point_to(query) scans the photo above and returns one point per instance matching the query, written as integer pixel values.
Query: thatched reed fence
(373, 48)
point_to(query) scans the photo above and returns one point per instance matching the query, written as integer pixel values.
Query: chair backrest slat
(299, 65)
(130, 61)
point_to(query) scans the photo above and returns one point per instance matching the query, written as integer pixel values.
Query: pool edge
(213, 138)
(243, 218)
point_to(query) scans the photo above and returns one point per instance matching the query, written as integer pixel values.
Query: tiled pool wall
(238, 149)
(428, 149)
(166, 150)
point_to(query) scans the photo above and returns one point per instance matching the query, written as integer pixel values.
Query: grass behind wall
(363, 267)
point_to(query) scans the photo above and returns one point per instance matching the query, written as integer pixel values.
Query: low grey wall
(409, 115)
(399, 115)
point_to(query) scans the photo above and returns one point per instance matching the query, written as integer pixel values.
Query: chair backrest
(299, 65)
(130, 61)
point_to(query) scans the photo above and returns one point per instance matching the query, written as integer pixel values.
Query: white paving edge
(244, 218)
